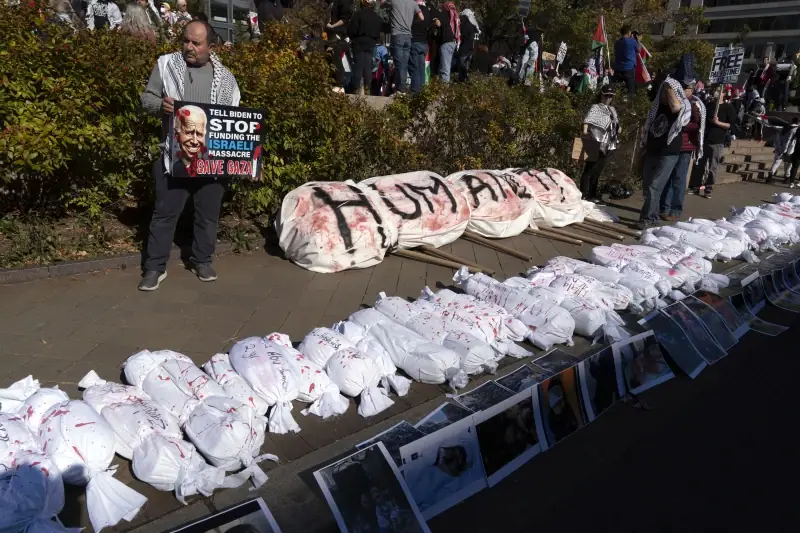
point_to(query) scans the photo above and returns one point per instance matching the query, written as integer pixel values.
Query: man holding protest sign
(193, 75)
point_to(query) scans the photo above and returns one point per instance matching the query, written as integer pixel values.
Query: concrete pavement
(59, 329)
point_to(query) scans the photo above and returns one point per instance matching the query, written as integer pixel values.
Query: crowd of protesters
(683, 135)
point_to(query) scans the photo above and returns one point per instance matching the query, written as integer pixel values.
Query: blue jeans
(675, 189)
(656, 172)
(401, 51)
(416, 65)
(446, 52)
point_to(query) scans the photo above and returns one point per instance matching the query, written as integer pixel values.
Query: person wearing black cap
(662, 139)
(600, 132)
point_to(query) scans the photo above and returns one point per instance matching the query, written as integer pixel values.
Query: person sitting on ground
(784, 146)
(662, 139)
(671, 204)
(194, 75)
(601, 129)
(482, 60)
(136, 24)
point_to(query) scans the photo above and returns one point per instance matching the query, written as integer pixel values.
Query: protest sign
(524, 7)
(216, 141)
(727, 65)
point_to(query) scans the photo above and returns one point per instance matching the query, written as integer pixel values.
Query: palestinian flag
(599, 38)
(642, 74)
(428, 67)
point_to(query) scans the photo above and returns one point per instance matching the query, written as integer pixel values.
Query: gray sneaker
(151, 280)
(205, 272)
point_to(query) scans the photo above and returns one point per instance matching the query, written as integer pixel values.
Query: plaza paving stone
(59, 329)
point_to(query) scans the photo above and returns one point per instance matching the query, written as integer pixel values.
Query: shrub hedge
(73, 140)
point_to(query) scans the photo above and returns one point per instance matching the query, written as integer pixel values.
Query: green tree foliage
(74, 141)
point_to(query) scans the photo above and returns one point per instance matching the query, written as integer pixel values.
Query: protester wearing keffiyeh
(449, 9)
(601, 130)
(670, 112)
(657, 124)
(471, 17)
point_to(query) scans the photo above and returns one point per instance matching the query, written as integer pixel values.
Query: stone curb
(13, 276)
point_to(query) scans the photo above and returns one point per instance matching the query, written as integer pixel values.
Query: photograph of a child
(367, 494)
(560, 406)
(444, 468)
(753, 294)
(678, 346)
(640, 364)
(712, 321)
(598, 379)
(732, 318)
(756, 324)
(507, 436)
(709, 349)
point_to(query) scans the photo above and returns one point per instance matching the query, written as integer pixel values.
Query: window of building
(240, 9)
(726, 3)
(219, 11)
(686, 3)
(787, 22)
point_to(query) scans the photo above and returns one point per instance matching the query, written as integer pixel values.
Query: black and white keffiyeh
(658, 125)
(702, 108)
(601, 115)
(224, 89)
(603, 125)
(223, 84)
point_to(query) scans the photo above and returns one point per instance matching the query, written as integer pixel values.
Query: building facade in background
(774, 26)
(229, 17)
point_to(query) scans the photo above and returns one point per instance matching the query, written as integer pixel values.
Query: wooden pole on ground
(430, 259)
(614, 227)
(553, 236)
(474, 237)
(600, 231)
(450, 257)
(578, 236)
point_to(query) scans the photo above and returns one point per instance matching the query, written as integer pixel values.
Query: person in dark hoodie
(365, 32)
(448, 22)
(341, 11)
(470, 32)
(419, 47)
(268, 11)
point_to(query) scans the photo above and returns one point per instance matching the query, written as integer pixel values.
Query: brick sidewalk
(59, 329)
